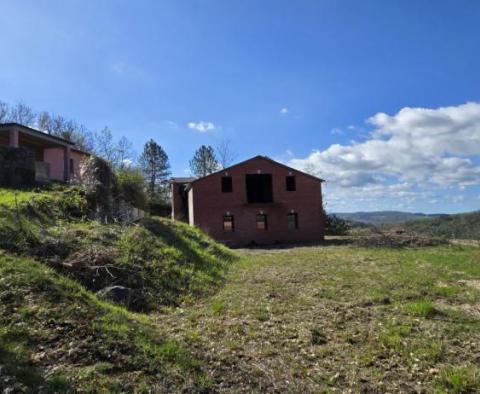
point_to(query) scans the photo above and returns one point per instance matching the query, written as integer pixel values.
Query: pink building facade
(55, 158)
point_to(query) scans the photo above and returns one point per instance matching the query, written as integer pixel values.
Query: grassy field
(329, 318)
(340, 318)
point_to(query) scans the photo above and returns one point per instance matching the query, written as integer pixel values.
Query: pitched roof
(39, 133)
(264, 158)
(182, 179)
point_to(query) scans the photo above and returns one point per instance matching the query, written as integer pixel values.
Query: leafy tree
(204, 161)
(132, 186)
(156, 170)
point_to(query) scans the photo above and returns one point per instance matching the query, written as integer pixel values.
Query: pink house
(55, 158)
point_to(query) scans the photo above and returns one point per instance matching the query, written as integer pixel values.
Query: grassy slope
(165, 263)
(55, 333)
(366, 320)
(461, 226)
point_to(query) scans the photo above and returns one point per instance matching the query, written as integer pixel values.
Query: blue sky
(299, 81)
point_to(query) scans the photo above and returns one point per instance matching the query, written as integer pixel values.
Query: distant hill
(383, 217)
(460, 226)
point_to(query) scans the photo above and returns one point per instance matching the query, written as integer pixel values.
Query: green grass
(301, 319)
(423, 308)
(46, 319)
(165, 263)
(355, 319)
(50, 317)
(460, 379)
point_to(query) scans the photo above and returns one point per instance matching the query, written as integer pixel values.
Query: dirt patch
(470, 309)
(475, 283)
(386, 240)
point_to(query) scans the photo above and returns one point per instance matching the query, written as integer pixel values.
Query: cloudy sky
(381, 99)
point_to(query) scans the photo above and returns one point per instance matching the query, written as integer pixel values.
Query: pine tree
(204, 161)
(156, 170)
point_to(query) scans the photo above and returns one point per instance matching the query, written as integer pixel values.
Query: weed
(463, 379)
(426, 309)
(218, 306)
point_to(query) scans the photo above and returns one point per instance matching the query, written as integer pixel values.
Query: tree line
(150, 171)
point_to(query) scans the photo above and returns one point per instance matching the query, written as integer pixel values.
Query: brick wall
(210, 205)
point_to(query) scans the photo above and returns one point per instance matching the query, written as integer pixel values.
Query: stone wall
(17, 166)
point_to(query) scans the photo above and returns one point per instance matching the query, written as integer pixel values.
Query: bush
(335, 225)
(160, 208)
(132, 187)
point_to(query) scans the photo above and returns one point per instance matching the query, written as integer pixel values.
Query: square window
(227, 184)
(259, 188)
(228, 224)
(290, 183)
(261, 222)
(292, 221)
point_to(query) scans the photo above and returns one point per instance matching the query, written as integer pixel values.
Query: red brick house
(54, 158)
(256, 201)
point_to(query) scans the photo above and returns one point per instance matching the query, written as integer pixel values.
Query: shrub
(335, 225)
(132, 187)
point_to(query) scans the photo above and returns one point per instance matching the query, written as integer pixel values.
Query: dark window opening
(261, 222)
(227, 184)
(292, 221)
(72, 170)
(290, 183)
(259, 188)
(228, 224)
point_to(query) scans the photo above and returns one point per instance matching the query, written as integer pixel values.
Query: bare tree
(225, 154)
(105, 146)
(4, 112)
(83, 138)
(57, 124)
(125, 153)
(44, 122)
(22, 114)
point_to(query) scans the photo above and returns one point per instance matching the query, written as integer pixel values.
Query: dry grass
(339, 318)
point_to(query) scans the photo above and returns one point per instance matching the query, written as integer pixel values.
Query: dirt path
(337, 319)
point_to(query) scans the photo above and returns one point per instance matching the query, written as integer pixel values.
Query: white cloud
(419, 147)
(336, 131)
(201, 126)
(128, 162)
(284, 111)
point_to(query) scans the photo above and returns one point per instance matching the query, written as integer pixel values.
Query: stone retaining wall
(17, 166)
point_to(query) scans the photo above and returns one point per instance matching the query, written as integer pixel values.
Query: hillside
(381, 217)
(161, 262)
(460, 226)
(55, 335)
(59, 328)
